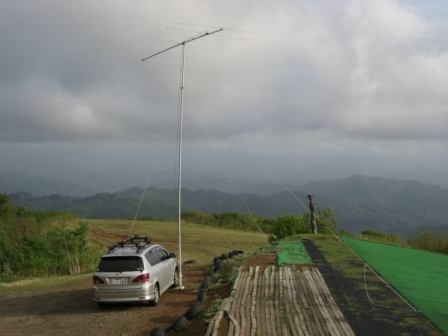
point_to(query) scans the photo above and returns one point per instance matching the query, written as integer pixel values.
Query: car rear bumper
(123, 295)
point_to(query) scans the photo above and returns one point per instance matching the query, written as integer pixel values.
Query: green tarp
(292, 252)
(420, 276)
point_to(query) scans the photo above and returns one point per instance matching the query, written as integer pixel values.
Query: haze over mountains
(358, 202)
(81, 185)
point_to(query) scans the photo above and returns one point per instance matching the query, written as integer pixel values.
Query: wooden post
(313, 223)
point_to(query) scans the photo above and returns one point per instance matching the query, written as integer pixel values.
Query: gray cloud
(354, 74)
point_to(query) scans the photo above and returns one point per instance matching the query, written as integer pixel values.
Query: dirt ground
(261, 260)
(72, 312)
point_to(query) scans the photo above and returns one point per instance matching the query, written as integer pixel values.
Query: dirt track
(72, 312)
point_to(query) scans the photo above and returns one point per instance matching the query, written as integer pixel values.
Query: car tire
(156, 294)
(176, 278)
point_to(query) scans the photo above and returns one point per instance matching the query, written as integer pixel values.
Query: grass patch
(200, 243)
(44, 285)
(347, 263)
(228, 272)
(420, 276)
(214, 308)
(292, 252)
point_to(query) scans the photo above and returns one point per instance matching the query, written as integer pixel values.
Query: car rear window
(120, 264)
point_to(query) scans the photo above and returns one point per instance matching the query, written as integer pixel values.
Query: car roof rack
(139, 242)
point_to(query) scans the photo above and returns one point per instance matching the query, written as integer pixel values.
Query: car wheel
(156, 296)
(176, 278)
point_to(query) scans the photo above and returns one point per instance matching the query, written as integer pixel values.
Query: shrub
(326, 221)
(371, 234)
(429, 241)
(34, 243)
(280, 226)
(346, 233)
(290, 225)
(199, 217)
(231, 220)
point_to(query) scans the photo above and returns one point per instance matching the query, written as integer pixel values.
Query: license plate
(118, 281)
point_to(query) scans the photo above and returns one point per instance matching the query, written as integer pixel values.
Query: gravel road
(72, 312)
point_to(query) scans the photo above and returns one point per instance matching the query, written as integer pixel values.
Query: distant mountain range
(358, 202)
(86, 185)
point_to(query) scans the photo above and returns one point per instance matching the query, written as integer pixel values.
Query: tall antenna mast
(180, 135)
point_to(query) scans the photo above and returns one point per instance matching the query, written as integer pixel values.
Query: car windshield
(120, 264)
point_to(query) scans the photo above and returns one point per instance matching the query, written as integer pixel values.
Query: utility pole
(313, 224)
(180, 135)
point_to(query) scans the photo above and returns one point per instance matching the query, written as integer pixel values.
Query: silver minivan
(135, 270)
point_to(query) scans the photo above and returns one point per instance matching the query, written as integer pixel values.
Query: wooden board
(286, 300)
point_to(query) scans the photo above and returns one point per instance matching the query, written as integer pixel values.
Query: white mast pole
(179, 162)
(179, 157)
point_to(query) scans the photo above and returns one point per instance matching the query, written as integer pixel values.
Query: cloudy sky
(312, 88)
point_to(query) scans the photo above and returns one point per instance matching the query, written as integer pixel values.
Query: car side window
(163, 254)
(154, 256)
(148, 256)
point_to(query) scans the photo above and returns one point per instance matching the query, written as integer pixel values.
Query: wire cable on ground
(365, 286)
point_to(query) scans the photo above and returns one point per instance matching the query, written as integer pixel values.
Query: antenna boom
(183, 43)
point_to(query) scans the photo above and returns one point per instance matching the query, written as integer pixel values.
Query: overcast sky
(313, 88)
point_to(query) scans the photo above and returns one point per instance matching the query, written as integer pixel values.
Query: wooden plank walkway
(286, 300)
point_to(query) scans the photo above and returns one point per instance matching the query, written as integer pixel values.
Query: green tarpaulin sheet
(420, 276)
(292, 252)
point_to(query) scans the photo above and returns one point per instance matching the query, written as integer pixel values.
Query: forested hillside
(358, 202)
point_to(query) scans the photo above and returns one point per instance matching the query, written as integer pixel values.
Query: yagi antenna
(179, 135)
(183, 43)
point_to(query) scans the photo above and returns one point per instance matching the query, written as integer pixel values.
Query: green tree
(326, 221)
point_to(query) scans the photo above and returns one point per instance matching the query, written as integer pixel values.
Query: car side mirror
(172, 255)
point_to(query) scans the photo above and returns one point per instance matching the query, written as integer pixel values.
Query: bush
(230, 220)
(290, 225)
(371, 234)
(60, 251)
(425, 240)
(199, 217)
(346, 233)
(281, 226)
(429, 241)
(35, 243)
(326, 221)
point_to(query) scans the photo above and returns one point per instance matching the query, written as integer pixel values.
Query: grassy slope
(421, 276)
(200, 243)
(345, 261)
